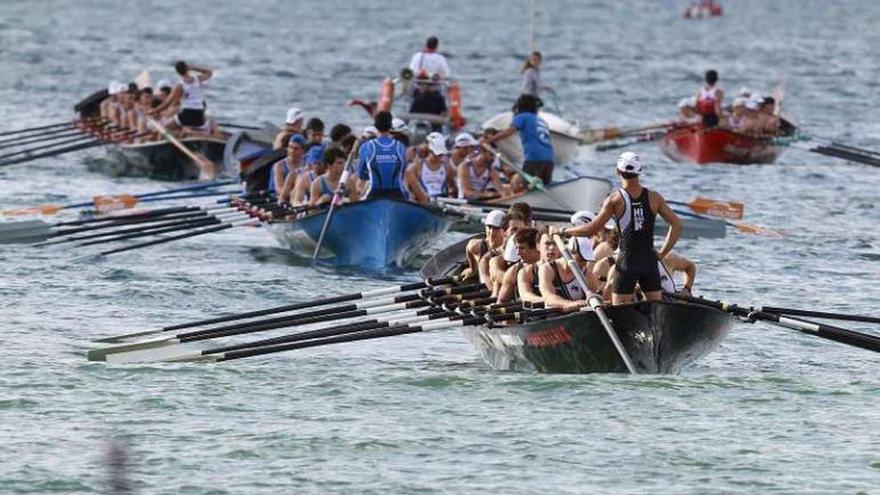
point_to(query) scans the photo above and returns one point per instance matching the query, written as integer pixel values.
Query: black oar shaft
(312, 304)
(38, 128)
(115, 225)
(820, 314)
(46, 136)
(185, 225)
(121, 218)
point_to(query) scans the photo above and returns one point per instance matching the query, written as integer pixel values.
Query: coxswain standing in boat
(429, 62)
(382, 166)
(434, 174)
(709, 100)
(282, 180)
(634, 209)
(293, 124)
(189, 94)
(325, 187)
(534, 134)
(606, 272)
(490, 243)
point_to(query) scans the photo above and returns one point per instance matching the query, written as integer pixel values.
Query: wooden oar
(337, 194)
(819, 314)
(371, 307)
(356, 296)
(38, 128)
(595, 303)
(590, 136)
(207, 167)
(837, 334)
(108, 203)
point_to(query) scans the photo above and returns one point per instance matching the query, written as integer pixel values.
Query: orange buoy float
(386, 95)
(455, 117)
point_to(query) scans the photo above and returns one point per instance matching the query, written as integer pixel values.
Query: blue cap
(298, 139)
(315, 155)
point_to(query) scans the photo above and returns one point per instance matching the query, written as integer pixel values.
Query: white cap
(494, 218)
(398, 125)
(754, 101)
(436, 143)
(511, 253)
(116, 87)
(629, 162)
(583, 246)
(294, 115)
(164, 83)
(464, 140)
(745, 92)
(739, 101)
(582, 217)
(687, 102)
(370, 131)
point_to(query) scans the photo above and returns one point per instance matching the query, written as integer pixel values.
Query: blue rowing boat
(375, 234)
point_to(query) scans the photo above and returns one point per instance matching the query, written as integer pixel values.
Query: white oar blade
(102, 354)
(169, 353)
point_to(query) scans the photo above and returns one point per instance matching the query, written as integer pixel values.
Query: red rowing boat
(699, 144)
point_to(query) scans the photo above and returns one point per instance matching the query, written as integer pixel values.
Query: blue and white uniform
(285, 167)
(383, 162)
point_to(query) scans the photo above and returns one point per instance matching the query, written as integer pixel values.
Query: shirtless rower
(491, 243)
(434, 174)
(290, 165)
(634, 209)
(190, 97)
(323, 189)
(475, 175)
(709, 100)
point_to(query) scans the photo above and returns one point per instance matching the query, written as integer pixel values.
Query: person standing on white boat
(190, 95)
(534, 134)
(531, 76)
(429, 62)
(634, 208)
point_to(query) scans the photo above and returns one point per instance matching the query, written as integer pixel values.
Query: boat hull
(698, 144)
(660, 337)
(158, 160)
(563, 134)
(375, 234)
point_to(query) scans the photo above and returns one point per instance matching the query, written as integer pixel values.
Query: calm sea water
(770, 412)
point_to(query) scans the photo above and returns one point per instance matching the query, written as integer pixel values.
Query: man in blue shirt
(382, 163)
(534, 136)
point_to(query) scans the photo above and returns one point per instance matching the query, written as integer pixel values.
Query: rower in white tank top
(192, 94)
(434, 182)
(478, 183)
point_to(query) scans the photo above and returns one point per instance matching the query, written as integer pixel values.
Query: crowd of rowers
(179, 108)
(613, 250)
(749, 113)
(382, 162)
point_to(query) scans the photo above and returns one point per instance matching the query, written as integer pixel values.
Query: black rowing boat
(661, 337)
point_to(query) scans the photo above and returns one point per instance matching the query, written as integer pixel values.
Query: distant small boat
(565, 135)
(660, 337)
(703, 9)
(375, 234)
(698, 144)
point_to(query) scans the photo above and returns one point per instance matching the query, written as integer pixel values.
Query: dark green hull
(661, 338)
(158, 160)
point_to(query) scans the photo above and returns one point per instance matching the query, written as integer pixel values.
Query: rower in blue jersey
(290, 164)
(382, 163)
